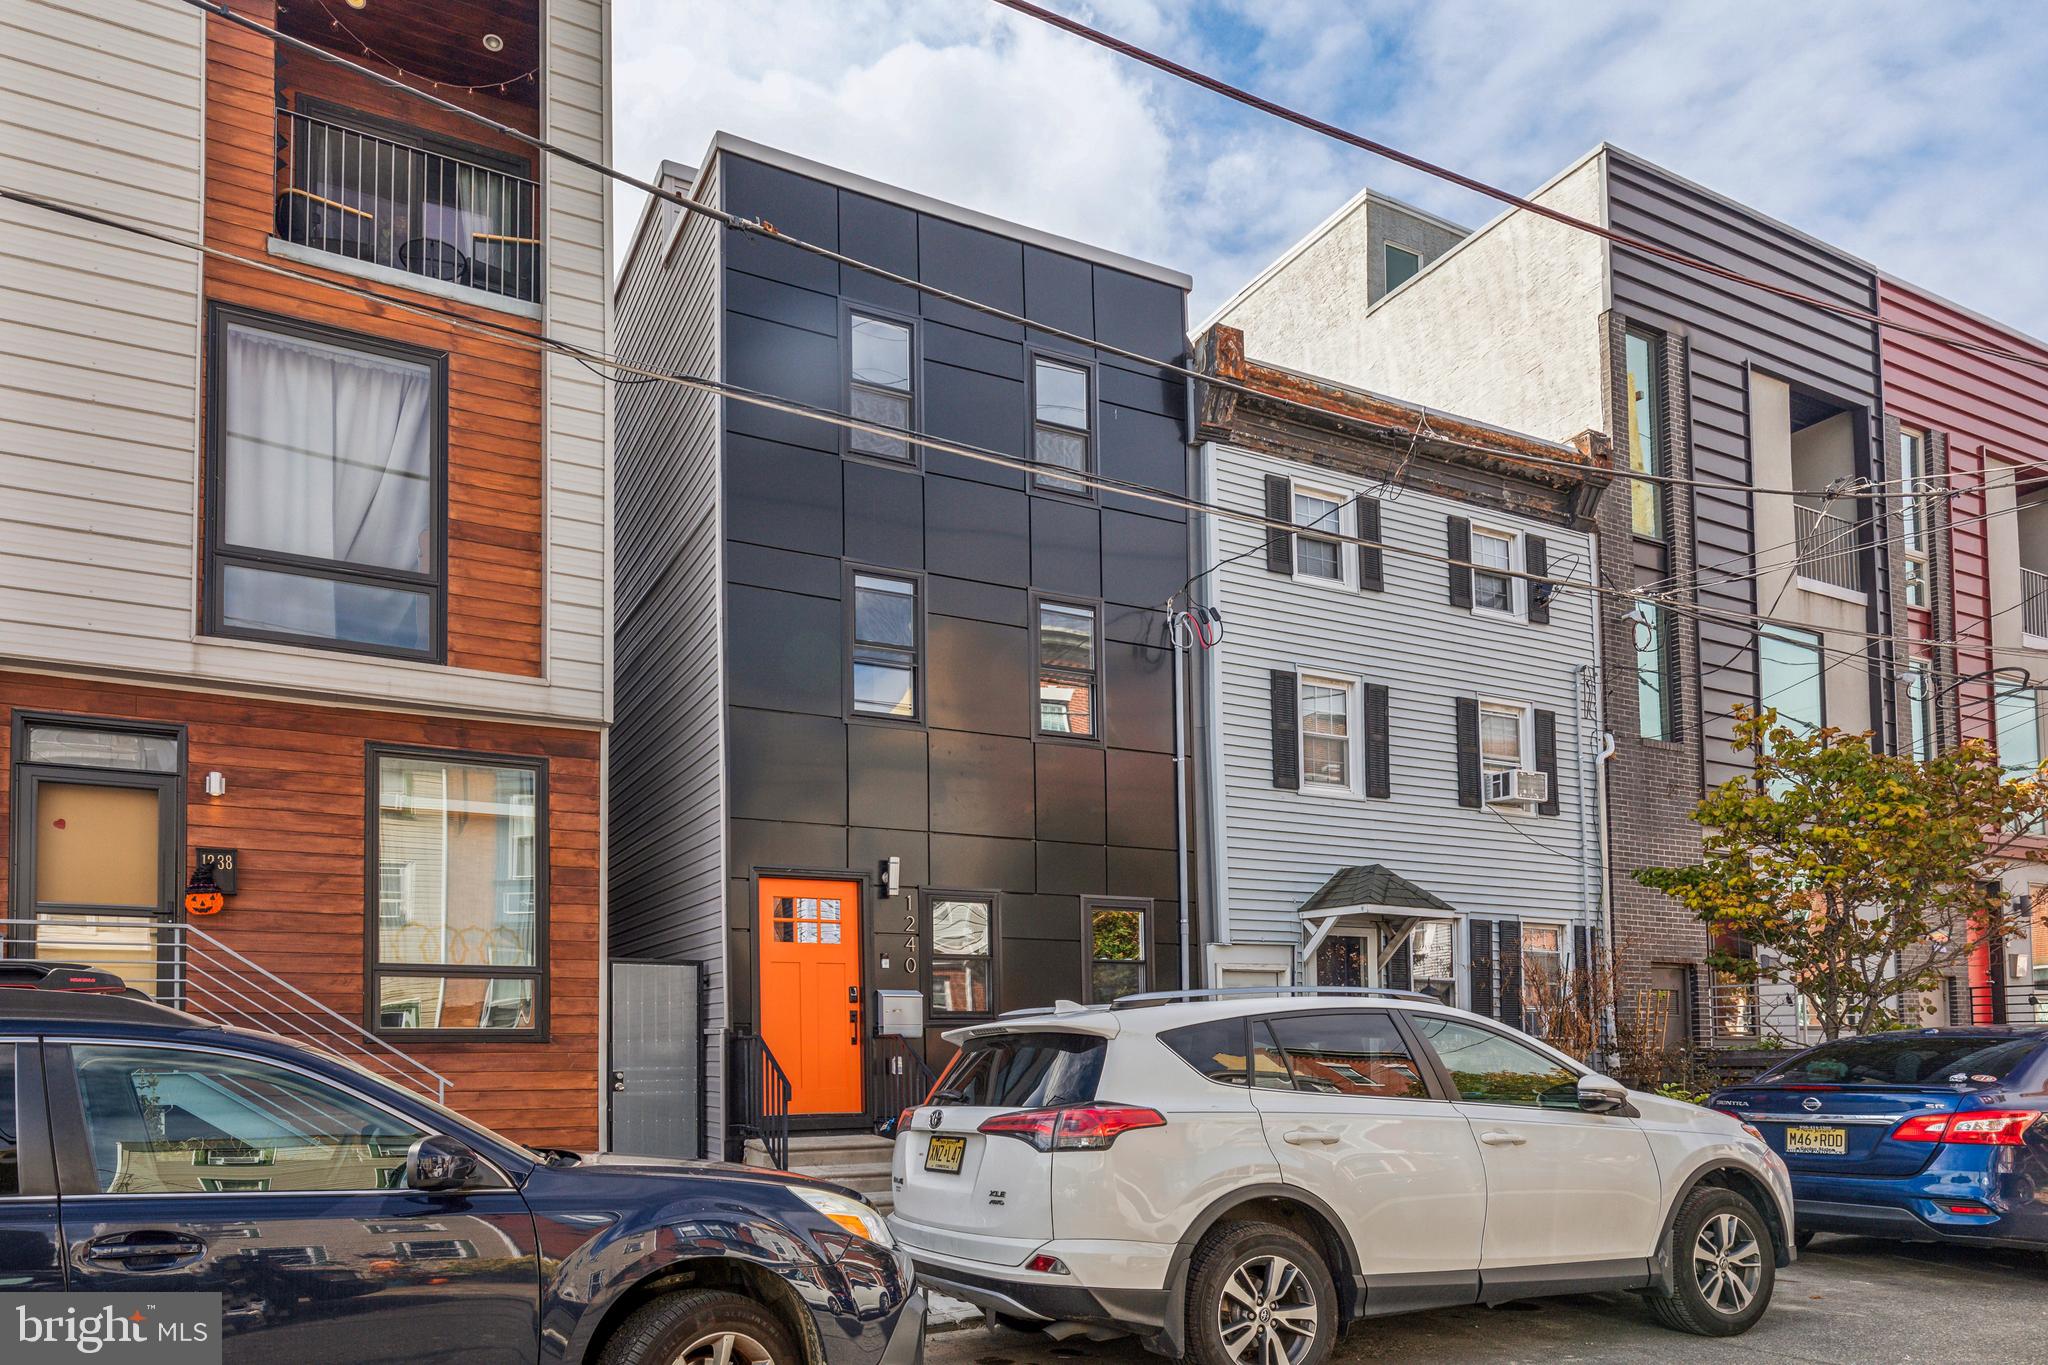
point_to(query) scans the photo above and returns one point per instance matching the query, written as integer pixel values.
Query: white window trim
(1345, 569)
(1354, 752)
(1518, 588)
(1526, 714)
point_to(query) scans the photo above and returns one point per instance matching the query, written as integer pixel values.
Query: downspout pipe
(1183, 643)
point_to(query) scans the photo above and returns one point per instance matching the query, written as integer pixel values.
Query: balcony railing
(2034, 599)
(1828, 552)
(371, 199)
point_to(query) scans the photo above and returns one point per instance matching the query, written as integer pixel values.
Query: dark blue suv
(1934, 1134)
(343, 1219)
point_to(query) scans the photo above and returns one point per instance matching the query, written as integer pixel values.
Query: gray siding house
(1403, 744)
(1720, 387)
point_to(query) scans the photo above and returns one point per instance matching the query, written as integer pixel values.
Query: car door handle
(145, 1246)
(1500, 1137)
(1310, 1137)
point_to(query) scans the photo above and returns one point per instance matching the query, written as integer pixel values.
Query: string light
(500, 86)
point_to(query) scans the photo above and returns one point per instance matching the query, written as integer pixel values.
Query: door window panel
(1489, 1068)
(96, 845)
(72, 747)
(1348, 1054)
(163, 1121)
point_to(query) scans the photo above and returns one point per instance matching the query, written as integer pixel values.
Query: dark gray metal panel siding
(666, 800)
(1731, 327)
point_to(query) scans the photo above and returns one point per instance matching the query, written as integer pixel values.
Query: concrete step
(826, 1149)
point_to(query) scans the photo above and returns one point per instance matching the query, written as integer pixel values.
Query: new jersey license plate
(1818, 1141)
(944, 1153)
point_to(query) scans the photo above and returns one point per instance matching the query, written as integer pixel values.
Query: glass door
(97, 832)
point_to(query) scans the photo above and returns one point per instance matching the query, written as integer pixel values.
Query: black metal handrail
(760, 1094)
(898, 1079)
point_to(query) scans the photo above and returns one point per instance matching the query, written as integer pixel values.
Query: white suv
(1237, 1176)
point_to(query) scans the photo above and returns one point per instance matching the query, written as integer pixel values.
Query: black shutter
(1401, 968)
(1546, 758)
(1481, 931)
(1536, 559)
(1468, 751)
(1286, 731)
(1582, 974)
(1379, 779)
(1279, 507)
(1372, 572)
(1511, 973)
(1458, 544)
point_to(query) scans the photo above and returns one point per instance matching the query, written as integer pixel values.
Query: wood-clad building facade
(304, 587)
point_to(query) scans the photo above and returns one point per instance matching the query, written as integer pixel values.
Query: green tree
(1864, 874)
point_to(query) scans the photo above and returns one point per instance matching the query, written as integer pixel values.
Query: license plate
(944, 1153)
(1818, 1141)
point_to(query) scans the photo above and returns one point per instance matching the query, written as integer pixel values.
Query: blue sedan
(1922, 1135)
(342, 1220)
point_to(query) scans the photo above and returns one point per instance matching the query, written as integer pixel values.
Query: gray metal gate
(657, 1071)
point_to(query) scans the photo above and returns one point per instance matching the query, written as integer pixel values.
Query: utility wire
(1215, 85)
(768, 230)
(542, 342)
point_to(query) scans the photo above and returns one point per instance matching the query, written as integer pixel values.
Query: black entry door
(195, 1169)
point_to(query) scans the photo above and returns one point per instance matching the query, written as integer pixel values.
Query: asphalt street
(1849, 1300)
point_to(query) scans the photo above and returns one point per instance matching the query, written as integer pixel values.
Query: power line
(1330, 130)
(542, 342)
(770, 231)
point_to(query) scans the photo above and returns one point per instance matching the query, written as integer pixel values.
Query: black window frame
(1145, 907)
(848, 311)
(1664, 623)
(1090, 455)
(991, 899)
(1040, 600)
(1659, 473)
(218, 556)
(920, 651)
(542, 970)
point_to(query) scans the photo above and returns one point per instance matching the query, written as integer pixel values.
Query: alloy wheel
(1727, 1263)
(721, 1347)
(1267, 1314)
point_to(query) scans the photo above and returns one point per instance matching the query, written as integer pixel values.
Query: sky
(1912, 134)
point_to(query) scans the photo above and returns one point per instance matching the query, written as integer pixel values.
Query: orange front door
(810, 1007)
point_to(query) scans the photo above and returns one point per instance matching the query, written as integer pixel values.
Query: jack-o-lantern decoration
(202, 897)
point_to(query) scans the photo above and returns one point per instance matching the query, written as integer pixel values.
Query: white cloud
(1903, 132)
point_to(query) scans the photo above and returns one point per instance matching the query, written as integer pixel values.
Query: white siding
(1282, 844)
(100, 452)
(99, 330)
(1506, 331)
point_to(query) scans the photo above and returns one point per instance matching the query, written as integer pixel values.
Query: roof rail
(1241, 992)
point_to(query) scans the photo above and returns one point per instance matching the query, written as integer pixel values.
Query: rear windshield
(1906, 1059)
(1023, 1071)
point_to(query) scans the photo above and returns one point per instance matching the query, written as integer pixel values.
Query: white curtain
(328, 453)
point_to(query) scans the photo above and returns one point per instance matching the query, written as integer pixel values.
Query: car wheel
(703, 1327)
(1259, 1295)
(1723, 1266)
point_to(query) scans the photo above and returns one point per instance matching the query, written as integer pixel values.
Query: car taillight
(1982, 1127)
(903, 1120)
(1082, 1128)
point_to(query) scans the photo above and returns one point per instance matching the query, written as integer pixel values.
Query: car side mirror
(438, 1162)
(1600, 1094)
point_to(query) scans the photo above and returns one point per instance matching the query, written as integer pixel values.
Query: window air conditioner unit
(1517, 787)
